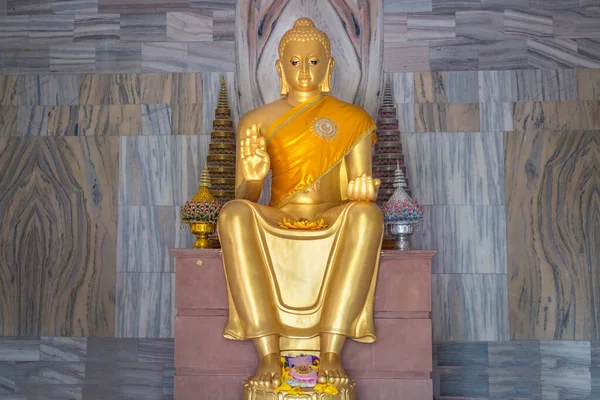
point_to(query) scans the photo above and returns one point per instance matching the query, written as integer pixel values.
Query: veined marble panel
(395, 27)
(165, 57)
(51, 29)
(9, 94)
(565, 369)
(62, 120)
(579, 23)
(496, 117)
(118, 57)
(478, 310)
(480, 25)
(70, 7)
(430, 87)
(73, 58)
(552, 211)
(160, 170)
(224, 25)
(98, 27)
(14, 30)
(530, 23)
(135, 6)
(48, 90)
(447, 117)
(157, 88)
(503, 54)
(145, 305)
(451, 55)
(188, 88)
(68, 228)
(187, 120)
(105, 89)
(29, 7)
(108, 120)
(431, 26)
(189, 26)
(211, 56)
(589, 84)
(155, 119)
(462, 87)
(64, 349)
(557, 53)
(405, 57)
(589, 48)
(32, 121)
(8, 120)
(403, 86)
(19, 349)
(450, 6)
(407, 6)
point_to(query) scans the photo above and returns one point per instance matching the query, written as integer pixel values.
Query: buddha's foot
(268, 373)
(330, 370)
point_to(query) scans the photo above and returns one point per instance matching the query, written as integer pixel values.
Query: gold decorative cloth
(323, 130)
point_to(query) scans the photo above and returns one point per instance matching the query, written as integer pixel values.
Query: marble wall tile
(514, 370)
(51, 29)
(164, 57)
(97, 28)
(478, 310)
(112, 350)
(155, 119)
(7, 378)
(145, 235)
(566, 115)
(557, 54)
(19, 349)
(504, 54)
(51, 391)
(430, 87)
(211, 86)
(462, 86)
(451, 55)
(134, 6)
(157, 88)
(145, 305)
(3, 7)
(431, 27)
(456, 168)
(544, 292)
(124, 381)
(405, 113)
(8, 120)
(187, 88)
(403, 86)
(9, 94)
(224, 25)
(70, 7)
(576, 23)
(187, 120)
(461, 369)
(449, 117)
(214, 5)
(160, 170)
(496, 86)
(405, 57)
(62, 120)
(68, 349)
(211, 56)
(14, 30)
(407, 6)
(55, 373)
(156, 350)
(395, 27)
(530, 23)
(588, 84)
(189, 26)
(108, 120)
(450, 6)
(169, 382)
(539, 85)
(565, 369)
(73, 58)
(118, 89)
(496, 117)
(430, 235)
(554, 4)
(32, 121)
(32, 60)
(480, 25)
(123, 57)
(150, 27)
(29, 7)
(48, 90)
(589, 49)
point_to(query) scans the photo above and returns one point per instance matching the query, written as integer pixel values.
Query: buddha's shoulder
(354, 109)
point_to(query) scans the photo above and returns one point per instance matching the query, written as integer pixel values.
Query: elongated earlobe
(283, 85)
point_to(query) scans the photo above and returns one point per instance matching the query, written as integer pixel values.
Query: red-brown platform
(397, 366)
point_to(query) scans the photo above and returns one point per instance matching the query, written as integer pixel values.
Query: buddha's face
(304, 65)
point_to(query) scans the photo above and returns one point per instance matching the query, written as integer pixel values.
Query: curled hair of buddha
(304, 30)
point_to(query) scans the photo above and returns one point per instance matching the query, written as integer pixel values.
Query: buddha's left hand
(363, 188)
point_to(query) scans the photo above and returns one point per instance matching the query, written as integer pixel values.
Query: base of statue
(256, 393)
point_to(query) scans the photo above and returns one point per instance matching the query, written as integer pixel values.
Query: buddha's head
(305, 63)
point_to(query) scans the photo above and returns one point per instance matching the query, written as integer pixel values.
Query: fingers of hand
(351, 190)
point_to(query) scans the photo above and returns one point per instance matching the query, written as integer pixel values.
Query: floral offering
(409, 211)
(302, 372)
(200, 211)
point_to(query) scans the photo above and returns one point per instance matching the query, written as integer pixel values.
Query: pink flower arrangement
(200, 211)
(405, 211)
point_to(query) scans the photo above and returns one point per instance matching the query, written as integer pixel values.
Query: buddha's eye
(314, 62)
(295, 63)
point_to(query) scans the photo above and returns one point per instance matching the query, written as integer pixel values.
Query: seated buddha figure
(307, 286)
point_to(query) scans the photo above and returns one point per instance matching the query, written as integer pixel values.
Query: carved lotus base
(255, 393)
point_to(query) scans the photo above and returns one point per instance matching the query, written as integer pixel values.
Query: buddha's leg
(352, 273)
(249, 285)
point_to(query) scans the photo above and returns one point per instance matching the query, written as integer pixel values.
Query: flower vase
(202, 230)
(402, 231)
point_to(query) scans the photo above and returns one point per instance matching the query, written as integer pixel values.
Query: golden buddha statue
(303, 289)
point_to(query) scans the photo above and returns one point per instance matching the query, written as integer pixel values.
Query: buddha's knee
(365, 214)
(235, 215)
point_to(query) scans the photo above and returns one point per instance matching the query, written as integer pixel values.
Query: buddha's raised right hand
(253, 152)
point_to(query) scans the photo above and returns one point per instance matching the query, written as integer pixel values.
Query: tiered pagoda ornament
(388, 150)
(201, 212)
(221, 154)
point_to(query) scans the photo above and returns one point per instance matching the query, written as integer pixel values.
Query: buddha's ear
(283, 84)
(326, 85)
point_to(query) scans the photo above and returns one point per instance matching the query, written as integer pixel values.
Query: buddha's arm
(358, 161)
(247, 190)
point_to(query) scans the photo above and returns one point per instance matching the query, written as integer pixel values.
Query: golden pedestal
(202, 230)
(255, 393)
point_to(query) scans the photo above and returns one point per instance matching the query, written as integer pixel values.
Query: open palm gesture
(253, 152)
